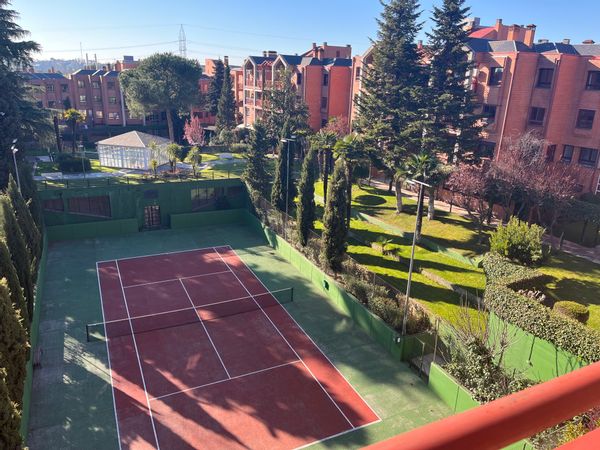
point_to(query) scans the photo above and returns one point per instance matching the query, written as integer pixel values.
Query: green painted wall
(127, 201)
(192, 220)
(535, 358)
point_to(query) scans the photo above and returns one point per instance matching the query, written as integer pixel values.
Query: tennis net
(100, 331)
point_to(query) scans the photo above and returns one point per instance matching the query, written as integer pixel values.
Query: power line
(111, 48)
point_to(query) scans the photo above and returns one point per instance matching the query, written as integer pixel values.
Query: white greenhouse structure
(133, 150)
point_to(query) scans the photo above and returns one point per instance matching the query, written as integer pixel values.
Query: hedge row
(504, 278)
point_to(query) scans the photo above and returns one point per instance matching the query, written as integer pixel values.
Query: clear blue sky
(241, 27)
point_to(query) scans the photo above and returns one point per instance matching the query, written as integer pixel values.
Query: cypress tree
(31, 233)
(29, 194)
(455, 129)
(335, 229)
(13, 345)
(255, 174)
(226, 108)
(216, 85)
(10, 418)
(7, 270)
(283, 185)
(12, 234)
(305, 214)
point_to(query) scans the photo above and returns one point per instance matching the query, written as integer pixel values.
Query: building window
(357, 74)
(99, 115)
(113, 116)
(80, 84)
(588, 157)
(298, 78)
(82, 99)
(593, 81)
(550, 152)
(96, 84)
(51, 104)
(323, 102)
(567, 155)
(49, 88)
(90, 206)
(64, 87)
(97, 98)
(110, 85)
(545, 78)
(112, 100)
(536, 115)
(489, 112)
(585, 119)
(495, 76)
(325, 79)
(486, 149)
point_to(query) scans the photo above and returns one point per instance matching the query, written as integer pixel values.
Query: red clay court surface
(248, 380)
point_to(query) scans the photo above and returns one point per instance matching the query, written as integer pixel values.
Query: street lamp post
(412, 252)
(82, 158)
(14, 150)
(287, 181)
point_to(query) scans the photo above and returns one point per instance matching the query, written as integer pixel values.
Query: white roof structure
(134, 139)
(132, 151)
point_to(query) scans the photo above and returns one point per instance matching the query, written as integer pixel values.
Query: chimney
(419, 44)
(265, 53)
(498, 24)
(543, 41)
(226, 60)
(566, 41)
(589, 42)
(530, 35)
(324, 44)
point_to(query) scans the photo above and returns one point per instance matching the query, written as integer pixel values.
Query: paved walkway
(590, 253)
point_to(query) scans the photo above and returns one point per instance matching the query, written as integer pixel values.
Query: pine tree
(10, 417)
(255, 174)
(12, 234)
(283, 183)
(391, 107)
(31, 233)
(7, 270)
(305, 214)
(335, 229)
(216, 85)
(455, 129)
(13, 345)
(226, 108)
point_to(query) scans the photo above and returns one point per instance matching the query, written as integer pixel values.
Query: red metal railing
(512, 418)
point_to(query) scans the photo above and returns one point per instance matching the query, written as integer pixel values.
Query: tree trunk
(57, 135)
(370, 171)
(419, 219)
(431, 208)
(349, 194)
(398, 196)
(74, 139)
(391, 185)
(325, 174)
(170, 125)
(490, 213)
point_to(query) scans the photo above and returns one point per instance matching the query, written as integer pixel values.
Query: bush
(577, 311)
(388, 310)
(518, 241)
(72, 164)
(239, 148)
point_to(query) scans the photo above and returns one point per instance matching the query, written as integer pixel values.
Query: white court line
(112, 387)
(351, 430)
(137, 354)
(175, 279)
(308, 335)
(286, 341)
(228, 379)
(160, 254)
(205, 330)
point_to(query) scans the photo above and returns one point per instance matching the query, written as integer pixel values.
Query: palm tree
(173, 151)
(194, 158)
(351, 150)
(73, 117)
(154, 166)
(421, 167)
(324, 141)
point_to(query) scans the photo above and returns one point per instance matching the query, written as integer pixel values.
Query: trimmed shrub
(577, 311)
(518, 241)
(531, 316)
(10, 418)
(239, 148)
(72, 164)
(388, 310)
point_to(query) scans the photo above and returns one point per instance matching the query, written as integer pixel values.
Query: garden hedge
(574, 310)
(504, 279)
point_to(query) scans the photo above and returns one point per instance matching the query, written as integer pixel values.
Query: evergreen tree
(216, 85)
(391, 113)
(455, 129)
(31, 233)
(283, 182)
(305, 214)
(226, 109)
(29, 193)
(324, 141)
(10, 417)
(335, 229)
(12, 234)
(7, 271)
(351, 149)
(13, 345)
(255, 174)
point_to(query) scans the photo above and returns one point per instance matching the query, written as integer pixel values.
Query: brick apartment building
(322, 77)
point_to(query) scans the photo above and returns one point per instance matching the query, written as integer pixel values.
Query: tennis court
(203, 355)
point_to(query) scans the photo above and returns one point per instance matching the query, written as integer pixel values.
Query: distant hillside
(60, 65)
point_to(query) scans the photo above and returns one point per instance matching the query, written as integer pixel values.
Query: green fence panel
(192, 220)
(361, 316)
(91, 230)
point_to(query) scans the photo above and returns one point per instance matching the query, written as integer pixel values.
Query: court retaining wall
(92, 230)
(34, 332)
(192, 220)
(343, 301)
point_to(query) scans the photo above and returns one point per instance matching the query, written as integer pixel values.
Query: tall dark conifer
(214, 90)
(255, 174)
(10, 417)
(7, 271)
(305, 214)
(455, 129)
(226, 108)
(31, 233)
(335, 228)
(284, 187)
